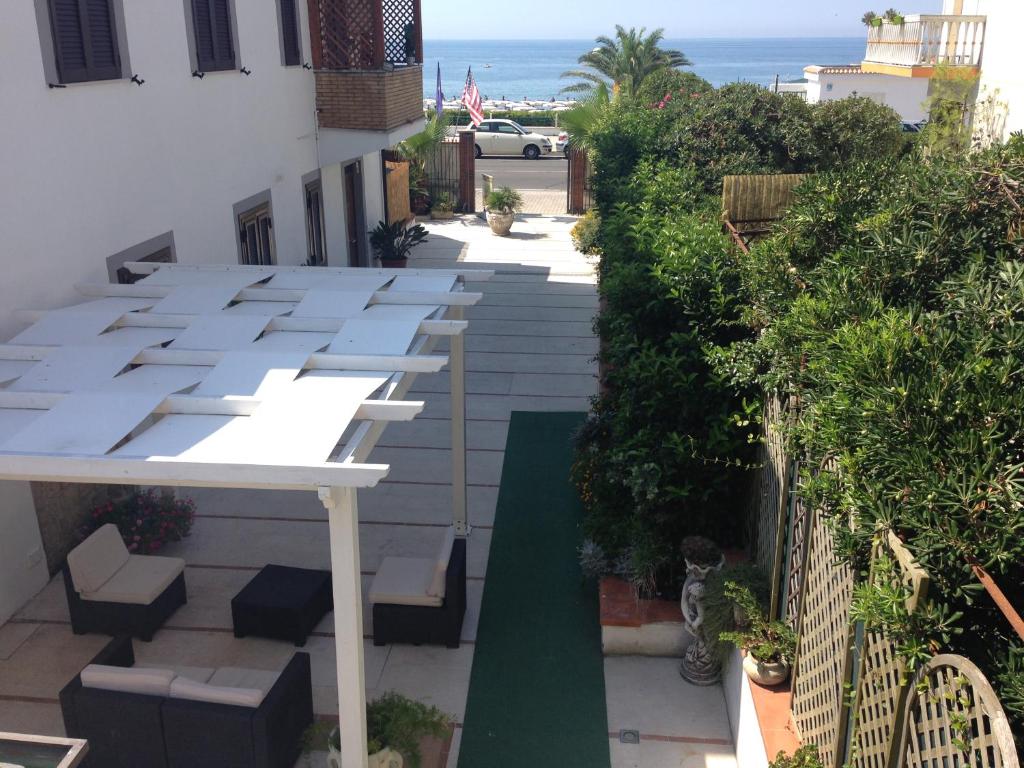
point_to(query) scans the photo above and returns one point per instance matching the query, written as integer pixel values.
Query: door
(354, 217)
(508, 140)
(315, 225)
(485, 137)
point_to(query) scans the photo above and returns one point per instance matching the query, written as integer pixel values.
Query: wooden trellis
(954, 719)
(769, 500)
(365, 34)
(823, 663)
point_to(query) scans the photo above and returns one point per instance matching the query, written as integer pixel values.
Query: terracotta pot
(500, 223)
(765, 673)
(394, 263)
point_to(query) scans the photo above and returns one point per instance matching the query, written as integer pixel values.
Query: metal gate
(579, 198)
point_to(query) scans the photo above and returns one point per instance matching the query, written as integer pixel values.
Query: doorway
(355, 216)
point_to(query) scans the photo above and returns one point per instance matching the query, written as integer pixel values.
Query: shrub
(586, 232)
(805, 757)
(146, 519)
(504, 200)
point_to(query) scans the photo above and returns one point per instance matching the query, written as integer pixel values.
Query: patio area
(529, 347)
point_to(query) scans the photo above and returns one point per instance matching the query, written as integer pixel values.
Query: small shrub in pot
(502, 206)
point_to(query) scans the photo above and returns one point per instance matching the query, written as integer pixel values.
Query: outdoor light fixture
(137, 80)
(307, 65)
(245, 71)
(197, 73)
(629, 736)
(57, 85)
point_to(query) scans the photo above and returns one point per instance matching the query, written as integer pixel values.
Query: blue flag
(440, 93)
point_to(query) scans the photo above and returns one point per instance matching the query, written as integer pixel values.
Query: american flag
(471, 99)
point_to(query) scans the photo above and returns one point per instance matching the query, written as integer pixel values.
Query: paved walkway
(530, 347)
(542, 202)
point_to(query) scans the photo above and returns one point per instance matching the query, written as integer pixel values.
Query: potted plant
(410, 44)
(893, 16)
(502, 206)
(392, 242)
(770, 645)
(869, 19)
(395, 724)
(442, 207)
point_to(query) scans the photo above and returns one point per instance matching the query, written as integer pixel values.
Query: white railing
(928, 40)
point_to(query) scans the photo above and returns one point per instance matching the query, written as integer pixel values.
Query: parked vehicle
(506, 137)
(561, 141)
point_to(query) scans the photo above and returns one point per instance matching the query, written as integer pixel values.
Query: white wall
(92, 169)
(1002, 71)
(906, 95)
(22, 563)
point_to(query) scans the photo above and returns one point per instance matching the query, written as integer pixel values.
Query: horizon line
(667, 38)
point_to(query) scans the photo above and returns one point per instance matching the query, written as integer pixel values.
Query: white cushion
(11, 765)
(147, 680)
(195, 674)
(183, 688)
(237, 677)
(438, 585)
(140, 581)
(404, 581)
(96, 559)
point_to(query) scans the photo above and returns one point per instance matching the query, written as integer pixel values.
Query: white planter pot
(765, 673)
(500, 223)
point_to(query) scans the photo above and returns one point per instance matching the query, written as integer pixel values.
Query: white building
(908, 96)
(188, 130)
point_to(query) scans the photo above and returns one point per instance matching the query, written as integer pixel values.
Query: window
(505, 128)
(256, 237)
(292, 48)
(158, 249)
(315, 225)
(85, 40)
(211, 25)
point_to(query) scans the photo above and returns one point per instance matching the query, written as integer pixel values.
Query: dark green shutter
(290, 33)
(211, 22)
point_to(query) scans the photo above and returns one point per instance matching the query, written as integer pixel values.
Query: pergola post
(457, 359)
(343, 516)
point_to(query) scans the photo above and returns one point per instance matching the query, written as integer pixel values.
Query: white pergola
(240, 377)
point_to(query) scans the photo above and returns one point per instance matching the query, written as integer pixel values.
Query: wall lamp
(197, 73)
(245, 71)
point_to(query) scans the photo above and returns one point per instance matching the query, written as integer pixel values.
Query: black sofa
(419, 624)
(140, 621)
(130, 730)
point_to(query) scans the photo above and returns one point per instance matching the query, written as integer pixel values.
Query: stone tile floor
(530, 347)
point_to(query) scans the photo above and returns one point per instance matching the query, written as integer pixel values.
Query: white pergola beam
(318, 361)
(143, 291)
(230, 405)
(156, 471)
(149, 267)
(458, 400)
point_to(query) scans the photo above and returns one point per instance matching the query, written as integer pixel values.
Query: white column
(348, 622)
(457, 362)
(332, 185)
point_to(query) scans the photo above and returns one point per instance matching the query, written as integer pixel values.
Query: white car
(506, 137)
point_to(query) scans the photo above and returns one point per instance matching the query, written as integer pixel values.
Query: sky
(585, 19)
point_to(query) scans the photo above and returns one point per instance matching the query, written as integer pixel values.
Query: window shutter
(290, 33)
(211, 20)
(85, 40)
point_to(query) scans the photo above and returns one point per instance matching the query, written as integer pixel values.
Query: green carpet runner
(536, 695)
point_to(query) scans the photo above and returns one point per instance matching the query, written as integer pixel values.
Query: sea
(522, 70)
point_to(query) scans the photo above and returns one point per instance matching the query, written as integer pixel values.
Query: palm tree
(580, 121)
(622, 63)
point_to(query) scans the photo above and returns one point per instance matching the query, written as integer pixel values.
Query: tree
(624, 62)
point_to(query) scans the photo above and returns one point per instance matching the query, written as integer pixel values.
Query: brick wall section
(369, 101)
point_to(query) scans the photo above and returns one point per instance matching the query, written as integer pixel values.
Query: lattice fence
(365, 34)
(823, 663)
(796, 554)
(954, 719)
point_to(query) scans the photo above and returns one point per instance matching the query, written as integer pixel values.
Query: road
(548, 173)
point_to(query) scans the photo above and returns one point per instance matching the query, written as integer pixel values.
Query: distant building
(907, 96)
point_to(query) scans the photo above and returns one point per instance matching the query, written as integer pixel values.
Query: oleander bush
(146, 519)
(586, 233)
(891, 300)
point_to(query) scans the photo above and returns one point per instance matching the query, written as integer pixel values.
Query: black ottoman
(283, 603)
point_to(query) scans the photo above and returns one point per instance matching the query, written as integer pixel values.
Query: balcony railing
(928, 41)
(365, 34)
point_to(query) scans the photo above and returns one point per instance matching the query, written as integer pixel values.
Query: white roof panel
(317, 279)
(161, 379)
(67, 369)
(68, 327)
(371, 336)
(88, 423)
(441, 283)
(140, 338)
(13, 369)
(267, 308)
(205, 277)
(13, 420)
(172, 435)
(196, 299)
(334, 304)
(293, 340)
(123, 303)
(221, 332)
(394, 311)
(252, 373)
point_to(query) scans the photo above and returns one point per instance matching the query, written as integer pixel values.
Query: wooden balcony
(368, 57)
(923, 43)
